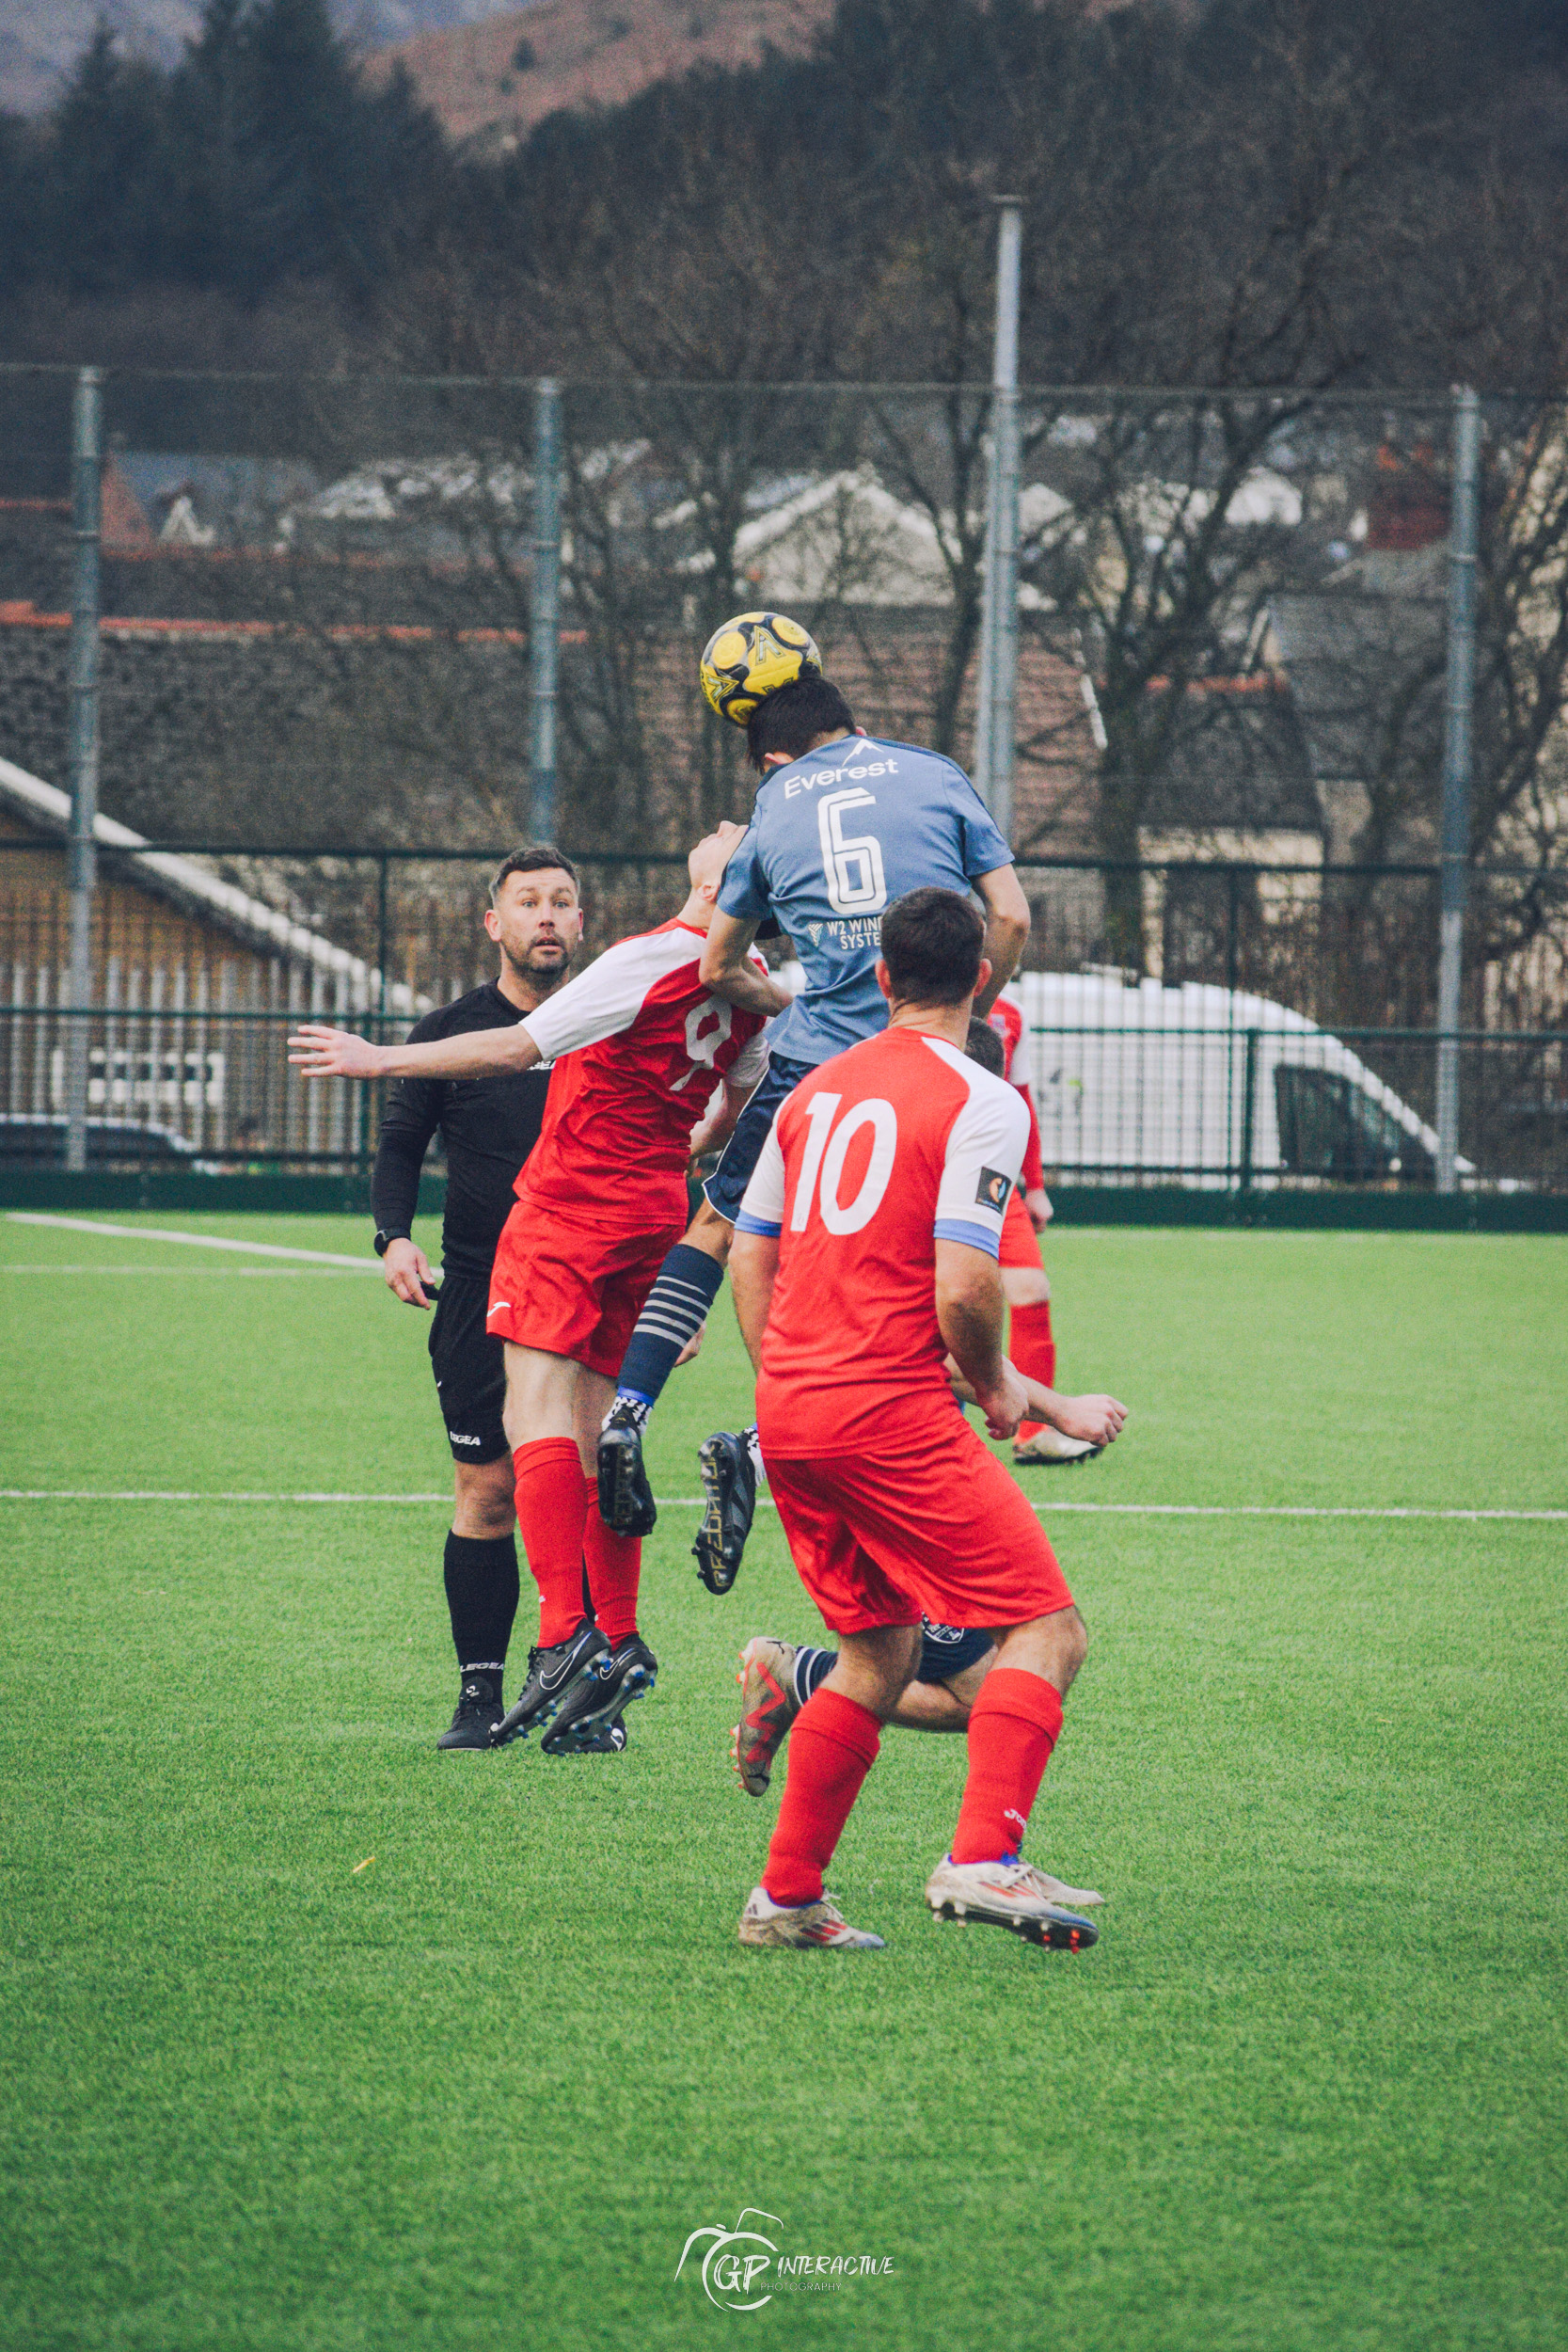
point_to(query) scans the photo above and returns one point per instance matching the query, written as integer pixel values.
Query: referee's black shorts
(470, 1370)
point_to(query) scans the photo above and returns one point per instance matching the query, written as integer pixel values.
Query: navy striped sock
(812, 1669)
(677, 1310)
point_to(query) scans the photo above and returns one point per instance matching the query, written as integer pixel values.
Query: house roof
(844, 538)
(198, 892)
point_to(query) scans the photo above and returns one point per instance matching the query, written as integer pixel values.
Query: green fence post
(86, 486)
(1249, 1093)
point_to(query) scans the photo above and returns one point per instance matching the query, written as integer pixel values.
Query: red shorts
(930, 1523)
(1021, 1244)
(567, 1286)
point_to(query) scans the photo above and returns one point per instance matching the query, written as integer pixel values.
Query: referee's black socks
(482, 1598)
(677, 1310)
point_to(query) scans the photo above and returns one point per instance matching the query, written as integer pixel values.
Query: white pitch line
(1297, 1510)
(190, 1273)
(691, 1503)
(172, 1494)
(191, 1241)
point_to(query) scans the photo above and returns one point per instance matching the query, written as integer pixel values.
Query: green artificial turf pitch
(1306, 2092)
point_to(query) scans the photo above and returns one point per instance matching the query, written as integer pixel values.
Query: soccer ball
(751, 656)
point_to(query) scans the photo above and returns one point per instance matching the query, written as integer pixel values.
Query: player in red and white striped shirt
(1025, 1282)
(641, 1049)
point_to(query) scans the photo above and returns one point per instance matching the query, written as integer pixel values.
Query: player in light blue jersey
(843, 825)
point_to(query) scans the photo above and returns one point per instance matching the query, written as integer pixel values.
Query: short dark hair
(983, 1045)
(534, 857)
(931, 943)
(791, 718)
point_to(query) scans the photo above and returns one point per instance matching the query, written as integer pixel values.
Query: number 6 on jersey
(857, 883)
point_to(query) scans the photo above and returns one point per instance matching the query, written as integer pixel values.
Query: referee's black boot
(552, 1675)
(600, 1699)
(729, 1478)
(480, 1707)
(625, 1497)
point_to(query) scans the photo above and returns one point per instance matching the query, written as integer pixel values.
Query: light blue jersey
(833, 839)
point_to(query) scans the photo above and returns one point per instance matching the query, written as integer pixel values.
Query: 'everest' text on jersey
(885, 1150)
(643, 1044)
(834, 839)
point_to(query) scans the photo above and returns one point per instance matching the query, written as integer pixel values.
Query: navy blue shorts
(727, 1187)
(945, 1650)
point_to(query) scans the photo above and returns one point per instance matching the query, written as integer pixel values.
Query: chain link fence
(203, 961)
(317, 651)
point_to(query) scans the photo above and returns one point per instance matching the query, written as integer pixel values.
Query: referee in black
(488, 1126)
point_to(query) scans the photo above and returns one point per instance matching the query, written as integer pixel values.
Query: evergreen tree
(109, 198)
(210, 107)
(22, 175)
(261, 159)
(302, 220)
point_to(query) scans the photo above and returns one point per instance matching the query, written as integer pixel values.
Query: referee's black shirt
(488, 1127)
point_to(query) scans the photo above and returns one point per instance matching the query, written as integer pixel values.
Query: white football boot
(1011, 1895)
(1050, 1447)
(802, 1926)
(767, 1708)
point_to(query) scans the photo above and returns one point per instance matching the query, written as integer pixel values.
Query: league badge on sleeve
(992, 1189)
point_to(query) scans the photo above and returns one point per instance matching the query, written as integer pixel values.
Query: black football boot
(480, 1708)
(729, 1478)
(551, 1675)
(610, 1741)
(601, 1697)
(625, 1497)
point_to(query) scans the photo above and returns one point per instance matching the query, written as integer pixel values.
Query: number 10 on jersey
(822, 1163)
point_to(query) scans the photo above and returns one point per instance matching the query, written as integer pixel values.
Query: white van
(1206, 1086)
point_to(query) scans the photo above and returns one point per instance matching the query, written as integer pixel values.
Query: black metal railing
(208, 1089)
(1293, 1108)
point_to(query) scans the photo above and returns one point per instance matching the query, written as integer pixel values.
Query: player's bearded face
(538, 924)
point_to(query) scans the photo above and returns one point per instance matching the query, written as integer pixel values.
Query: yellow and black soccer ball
(751, 658)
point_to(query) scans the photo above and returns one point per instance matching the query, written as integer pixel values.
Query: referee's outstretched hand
(322, 1052)
(407, 1272)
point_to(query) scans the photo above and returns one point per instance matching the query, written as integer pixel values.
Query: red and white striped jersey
(1006, 1017)
(637, 1045)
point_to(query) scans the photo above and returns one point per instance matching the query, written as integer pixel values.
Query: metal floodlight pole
(87, 484)
(998, 680)
(544, 613)
(1462, 545)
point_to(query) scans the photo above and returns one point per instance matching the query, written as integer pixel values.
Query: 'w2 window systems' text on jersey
(638, 1045)
(834, 839)
(882, 1152)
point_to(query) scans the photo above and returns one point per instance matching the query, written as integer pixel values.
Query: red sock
(614, 1563)
(550, 1508)
(826, 1771)
(1013, 1726)
(1034, 1351)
